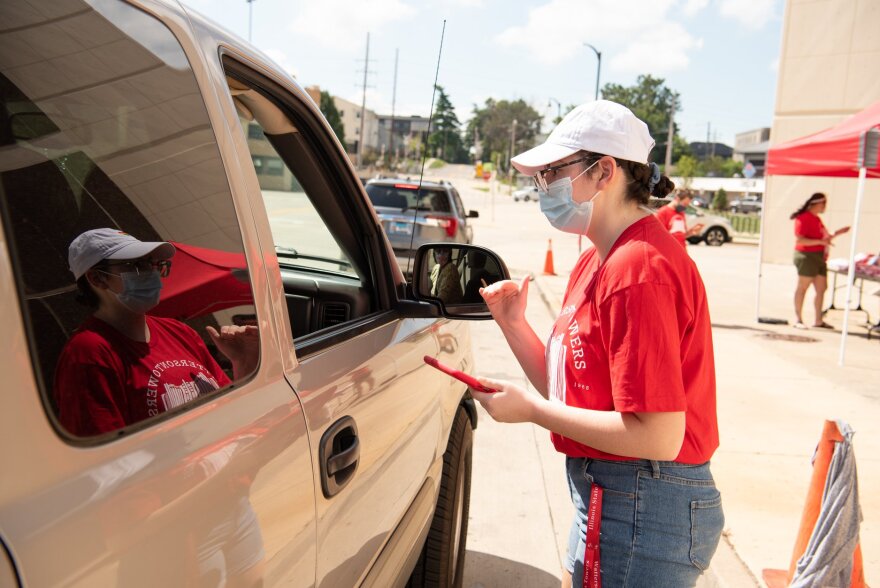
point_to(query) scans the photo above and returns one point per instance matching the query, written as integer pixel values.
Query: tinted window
(102, 125)
(408, 196)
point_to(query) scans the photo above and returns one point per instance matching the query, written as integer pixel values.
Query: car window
(302, 239)
(103, 126)
(408, 196)
(458, 203)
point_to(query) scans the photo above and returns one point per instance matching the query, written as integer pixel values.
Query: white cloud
(692, 7)
(635, 33)
(663, 48)
(342, 24)
(752, 14)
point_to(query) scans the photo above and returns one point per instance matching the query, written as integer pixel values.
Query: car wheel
(527, 198)
(694, 240)
(716, 237)
(441, 562)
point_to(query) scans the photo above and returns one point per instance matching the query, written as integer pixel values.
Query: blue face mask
(562, 211)
(140, 291)
(680, 208)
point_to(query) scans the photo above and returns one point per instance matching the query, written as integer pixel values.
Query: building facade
(751, 147)
(828, 71)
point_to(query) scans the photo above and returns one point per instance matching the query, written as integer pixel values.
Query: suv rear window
(403, 196)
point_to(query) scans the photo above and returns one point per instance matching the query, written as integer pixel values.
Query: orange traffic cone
(812, 506)
(548, 261)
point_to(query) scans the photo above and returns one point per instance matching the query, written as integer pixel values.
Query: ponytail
(817, 197)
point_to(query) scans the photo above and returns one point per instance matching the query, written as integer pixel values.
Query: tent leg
(851, 270)
(760, 262)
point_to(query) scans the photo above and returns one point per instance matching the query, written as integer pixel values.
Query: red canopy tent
(203, 281)
(848, 150)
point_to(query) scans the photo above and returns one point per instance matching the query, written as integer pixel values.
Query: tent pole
(760, 256)
(851, 270)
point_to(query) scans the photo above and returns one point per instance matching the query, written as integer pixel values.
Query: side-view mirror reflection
(451, 275)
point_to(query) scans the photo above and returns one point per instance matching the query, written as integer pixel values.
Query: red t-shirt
(105, 381)
(674, 222)
(634, 336)
(809, 226)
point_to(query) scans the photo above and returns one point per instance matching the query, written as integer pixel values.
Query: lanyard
(592, 570)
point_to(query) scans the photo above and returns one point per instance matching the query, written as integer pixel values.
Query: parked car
(527, 194)
(341, 458)
(716, 231)
(700, 202)
(748, 203)
(434, 213)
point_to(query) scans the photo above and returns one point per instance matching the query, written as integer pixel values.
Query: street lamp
(250, 18)
(598, 66)
(558, 108)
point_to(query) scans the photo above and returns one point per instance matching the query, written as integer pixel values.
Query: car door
(378, 417)
(108, 121)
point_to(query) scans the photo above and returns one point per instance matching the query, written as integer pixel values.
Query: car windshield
(408, 196)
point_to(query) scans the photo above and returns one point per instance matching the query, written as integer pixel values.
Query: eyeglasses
(541, 178)
(139, 265)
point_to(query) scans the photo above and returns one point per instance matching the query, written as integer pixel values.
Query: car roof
(425, 183)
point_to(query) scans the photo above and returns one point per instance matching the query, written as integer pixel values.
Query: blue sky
(720, 55)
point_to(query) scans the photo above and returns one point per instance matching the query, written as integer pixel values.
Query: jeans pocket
(707, 522)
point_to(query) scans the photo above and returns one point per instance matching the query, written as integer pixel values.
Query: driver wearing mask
(121, 365)
(672, 217)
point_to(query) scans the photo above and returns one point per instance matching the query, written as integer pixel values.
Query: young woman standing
(812, 241)
(626, 378)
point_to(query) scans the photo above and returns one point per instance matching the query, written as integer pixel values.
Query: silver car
(716, 230)
(412, 217)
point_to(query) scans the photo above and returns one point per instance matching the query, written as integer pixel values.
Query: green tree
(719, 202)
(688, 168)
(328, 109)
(651, 101)
(445, 140)
(494, 123)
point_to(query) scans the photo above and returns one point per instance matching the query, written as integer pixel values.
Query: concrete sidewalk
(773, 396)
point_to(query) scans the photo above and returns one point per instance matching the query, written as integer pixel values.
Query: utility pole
(510, 165)
(250, 18)
(708, 133)
(558, 108)
(667, 163)
(360, 150)
(393, 102)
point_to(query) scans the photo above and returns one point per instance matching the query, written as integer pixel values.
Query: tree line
(498, 129)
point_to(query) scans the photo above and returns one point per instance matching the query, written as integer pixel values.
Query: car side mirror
(473, 214)
(450, 277)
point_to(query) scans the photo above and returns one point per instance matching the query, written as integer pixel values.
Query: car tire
(694, 240)
(527, 198)
(715, 237)
(441, 562)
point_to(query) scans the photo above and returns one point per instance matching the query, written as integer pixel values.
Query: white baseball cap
(93, 247)
(602, 127)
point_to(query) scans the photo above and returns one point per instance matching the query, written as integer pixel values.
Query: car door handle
(338, 453)
(344, 458)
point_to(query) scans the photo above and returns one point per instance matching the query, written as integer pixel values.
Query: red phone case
(458, 375)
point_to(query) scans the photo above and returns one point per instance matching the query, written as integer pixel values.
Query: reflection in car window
(111, 133)
(301, 237)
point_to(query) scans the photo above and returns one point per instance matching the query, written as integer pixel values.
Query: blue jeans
(661, 521)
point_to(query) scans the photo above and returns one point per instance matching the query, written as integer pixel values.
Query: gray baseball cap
(93, 247)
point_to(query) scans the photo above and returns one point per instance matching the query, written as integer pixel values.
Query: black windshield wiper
(291, 253)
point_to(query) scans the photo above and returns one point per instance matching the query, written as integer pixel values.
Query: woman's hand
(510, 404)
(240, 344)
(507, 300)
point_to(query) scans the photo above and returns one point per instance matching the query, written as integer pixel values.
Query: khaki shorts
(810, 264)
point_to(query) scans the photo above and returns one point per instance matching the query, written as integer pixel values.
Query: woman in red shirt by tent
(627, 377)
(812, 240)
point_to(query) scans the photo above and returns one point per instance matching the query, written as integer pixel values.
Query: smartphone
(458, 375)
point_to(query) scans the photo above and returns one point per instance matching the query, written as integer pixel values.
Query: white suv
(341, 459)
